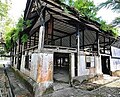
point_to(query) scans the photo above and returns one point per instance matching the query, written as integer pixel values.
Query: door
(61, 67)
(105, 61)
(76, 69)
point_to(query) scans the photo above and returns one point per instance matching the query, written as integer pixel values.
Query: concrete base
(116, 73)
(81, 79)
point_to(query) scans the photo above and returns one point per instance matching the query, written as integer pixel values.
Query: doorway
(76, 69)
(105, 61)
(61, 67)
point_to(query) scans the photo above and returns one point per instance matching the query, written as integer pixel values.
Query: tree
(3, 9)
(113, 5)
(13, 34)
(88, 10)
(4, 23)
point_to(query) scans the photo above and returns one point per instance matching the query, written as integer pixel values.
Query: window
(27, 61)
(90, 61)
(88, 64)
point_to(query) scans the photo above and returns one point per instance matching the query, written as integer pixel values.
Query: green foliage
(8, 40)
(116, 22)
(2, 51)
(109, 28)
(13, 34)
(86, 8)
(104, 26)
(115, 32)
(24, 38)
(112, 4)
(115, 6)
(3, 9)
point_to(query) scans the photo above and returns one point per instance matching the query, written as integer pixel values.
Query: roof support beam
(52, 3)
(61, 31)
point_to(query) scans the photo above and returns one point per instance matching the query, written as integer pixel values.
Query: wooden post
(98, 45)
(41, 32)
(104, 44)
(18, 58)
(83, 39)
(41, 38)
(72, 67)
(52, 26)
(78, 50)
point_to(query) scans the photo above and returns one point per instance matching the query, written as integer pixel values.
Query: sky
(18, 7)
(105, 13)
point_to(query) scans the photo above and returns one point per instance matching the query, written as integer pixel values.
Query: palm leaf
(116, 22)
(112, 4)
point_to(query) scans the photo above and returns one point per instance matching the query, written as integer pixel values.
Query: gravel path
(3, 88)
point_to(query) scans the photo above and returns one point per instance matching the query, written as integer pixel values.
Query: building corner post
(78, 50)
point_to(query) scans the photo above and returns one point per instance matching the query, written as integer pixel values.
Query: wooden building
(61, 45)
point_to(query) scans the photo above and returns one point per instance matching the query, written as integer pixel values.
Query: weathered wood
(98, 45)
(19, 55)
(41, 38)
(78, 50)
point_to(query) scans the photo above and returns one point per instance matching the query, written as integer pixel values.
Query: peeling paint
(45, 68)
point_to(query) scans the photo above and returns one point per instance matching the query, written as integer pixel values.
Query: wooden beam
(65, 21)
(64, 36)
(61, 31)
(33, 15)
(61, 13)
(56, 36)
(83, 33)
(52, 3)
(52, 26)
(28, 8)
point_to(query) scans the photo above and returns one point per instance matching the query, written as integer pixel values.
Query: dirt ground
(107, 87)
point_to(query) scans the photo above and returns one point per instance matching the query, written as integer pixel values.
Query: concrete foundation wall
(98, 65)
(33, 73)
(93, 70)
(41, 67)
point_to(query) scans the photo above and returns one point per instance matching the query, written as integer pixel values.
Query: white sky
(106, 14)
(18, 6)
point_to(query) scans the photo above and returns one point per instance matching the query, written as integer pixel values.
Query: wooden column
(52, 26)
(83, 39)
(98, 45)
(41, 32)
(18, 57)
(78, 50)
(104, 44)
(72, 66)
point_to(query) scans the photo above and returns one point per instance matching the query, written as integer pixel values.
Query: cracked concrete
(110, 88)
